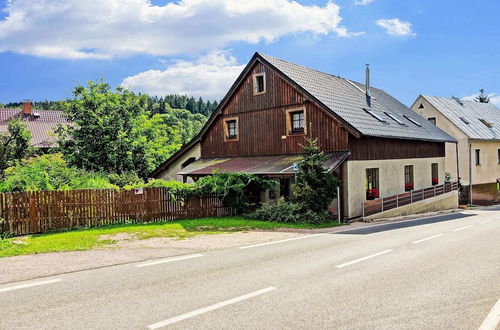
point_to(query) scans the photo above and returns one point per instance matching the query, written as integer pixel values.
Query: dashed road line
(462, 228)
(208, 308)
(427, 238)
(280, 241)
(485, 221)
(492, 320)
(163, 261)
(363, 259)
(29, 285)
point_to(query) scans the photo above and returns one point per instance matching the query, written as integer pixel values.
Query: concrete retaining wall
(443, 202)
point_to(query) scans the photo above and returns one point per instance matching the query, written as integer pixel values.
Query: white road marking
(163, 261)
(493, 319)
(209, 308)
(462, 228)
(485, 221)
(29, 285)
(280, 241)
(427, 238)
(364, 258)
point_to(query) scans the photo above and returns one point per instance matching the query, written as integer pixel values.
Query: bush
(289, 212)
(232, 187)
(50, 172)
(124, 179)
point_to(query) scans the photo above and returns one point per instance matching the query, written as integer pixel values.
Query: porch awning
(269, 165)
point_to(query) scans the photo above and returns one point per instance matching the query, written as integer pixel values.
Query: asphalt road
(438, 273)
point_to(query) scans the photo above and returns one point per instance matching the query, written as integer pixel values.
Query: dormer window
(231, 129)
(259, 83)
(296, 121)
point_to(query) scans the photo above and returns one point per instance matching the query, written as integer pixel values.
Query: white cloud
(362, 2)
(494, 98)
(396, 27)
(78, 29)
(209, 77)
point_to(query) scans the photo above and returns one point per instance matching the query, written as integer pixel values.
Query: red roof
(41, 127)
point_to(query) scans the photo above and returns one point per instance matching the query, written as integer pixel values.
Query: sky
(198, 47)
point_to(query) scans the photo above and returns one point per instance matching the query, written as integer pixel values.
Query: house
(372, 140)
(476, 126)
(41, 123)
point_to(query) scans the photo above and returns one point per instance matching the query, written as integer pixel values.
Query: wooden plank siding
(262, 121)
(370, 148)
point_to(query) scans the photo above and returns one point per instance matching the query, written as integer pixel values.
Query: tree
(482, 98)
(113, 132)
(15, 145)
(315, 188)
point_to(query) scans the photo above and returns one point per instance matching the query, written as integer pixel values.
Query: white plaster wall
(391, 178)
(170, 173)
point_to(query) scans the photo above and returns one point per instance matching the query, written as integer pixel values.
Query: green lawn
(86, 239)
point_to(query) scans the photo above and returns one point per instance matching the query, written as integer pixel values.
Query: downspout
(458, 168)
(470, 173)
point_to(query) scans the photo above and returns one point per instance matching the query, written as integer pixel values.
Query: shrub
(315, 187)
(232, 187)
(124, 179)
(290, 212)
(50, 172)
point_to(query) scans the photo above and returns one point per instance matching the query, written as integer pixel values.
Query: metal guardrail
(391, 202)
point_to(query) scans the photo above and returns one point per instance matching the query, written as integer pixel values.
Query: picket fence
(24, 213)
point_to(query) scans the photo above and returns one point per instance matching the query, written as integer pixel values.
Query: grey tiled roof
(472, 112)
(347, 100)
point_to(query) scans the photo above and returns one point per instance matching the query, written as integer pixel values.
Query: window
(434, 174)
(374, 115)
(432, 120)
(189, 161)
(259, 83)
(413, 121)
(396, 119)
(409, 177)
(498, 151)
(231, 129)
(478, 156)
(421, 106)
(486, 123)
(372, 188)
(296, 121)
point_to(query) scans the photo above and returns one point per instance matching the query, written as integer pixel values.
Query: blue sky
(198, 47)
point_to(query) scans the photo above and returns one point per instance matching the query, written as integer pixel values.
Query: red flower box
(435, 181)
(408, 186)
(371, 194)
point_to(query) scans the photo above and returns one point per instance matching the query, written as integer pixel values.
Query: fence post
(382, 200)
(363, 208)
(397, 200)
(411, 196)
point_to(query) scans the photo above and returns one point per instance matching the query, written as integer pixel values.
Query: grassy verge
(86, 239)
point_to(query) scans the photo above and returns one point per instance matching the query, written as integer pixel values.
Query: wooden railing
(37, 212)
(391, 202)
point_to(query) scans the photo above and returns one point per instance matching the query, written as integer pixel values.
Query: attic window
(396, 119)
(374, 115)
(486, 123)
(413, 121)
(421, 106)
(465, 120)
(259, 83)
(231, 129)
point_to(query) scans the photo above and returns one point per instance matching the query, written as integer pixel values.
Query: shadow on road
(404, 224)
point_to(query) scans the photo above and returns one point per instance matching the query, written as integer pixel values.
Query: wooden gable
(262, 120)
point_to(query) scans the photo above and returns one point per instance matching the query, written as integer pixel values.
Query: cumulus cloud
(396, 27)
(362, 2)
(494, 98)
(210, 77)
(105, 28)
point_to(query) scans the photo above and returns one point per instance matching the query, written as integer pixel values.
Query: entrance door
(285, 188)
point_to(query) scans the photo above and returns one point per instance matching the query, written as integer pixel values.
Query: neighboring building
(476, 126)
(372, 140)
(41, 123)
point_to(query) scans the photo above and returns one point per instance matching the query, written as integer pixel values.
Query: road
(437, 273)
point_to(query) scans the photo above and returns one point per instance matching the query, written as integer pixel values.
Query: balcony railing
(391, 202)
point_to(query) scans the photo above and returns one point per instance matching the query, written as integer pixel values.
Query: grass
(86, 239)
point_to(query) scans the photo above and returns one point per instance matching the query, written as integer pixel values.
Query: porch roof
(268, 165)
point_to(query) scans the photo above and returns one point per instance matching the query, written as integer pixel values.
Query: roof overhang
(259, 165)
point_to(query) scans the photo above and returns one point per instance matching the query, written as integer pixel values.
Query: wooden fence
(41, 211)
(391, 202)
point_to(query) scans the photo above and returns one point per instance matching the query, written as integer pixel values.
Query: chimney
(27, 108)
(367, 86)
